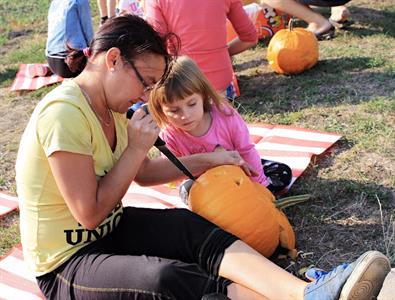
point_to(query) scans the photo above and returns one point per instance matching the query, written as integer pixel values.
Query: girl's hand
(142, 131)
(222, 157)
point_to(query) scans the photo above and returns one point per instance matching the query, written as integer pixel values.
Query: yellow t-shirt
(62, 121)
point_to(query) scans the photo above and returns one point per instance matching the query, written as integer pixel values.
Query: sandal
(326, 35)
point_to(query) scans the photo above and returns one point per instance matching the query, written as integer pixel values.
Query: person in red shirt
(201, 27)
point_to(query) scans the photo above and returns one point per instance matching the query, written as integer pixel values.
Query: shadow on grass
(252, 63)
(343, 219)
(17, 33)
(332, 81)
(7, 75)
(373, 21)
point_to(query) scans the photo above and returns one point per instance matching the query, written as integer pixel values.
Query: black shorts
(325, 3)
(59, 67)
(152, 254)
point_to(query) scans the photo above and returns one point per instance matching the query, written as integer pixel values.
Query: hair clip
(87, 51)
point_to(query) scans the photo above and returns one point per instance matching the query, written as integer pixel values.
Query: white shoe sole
(367, 278)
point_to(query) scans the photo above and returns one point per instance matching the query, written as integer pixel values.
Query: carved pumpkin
(292, 50)
(227, 197)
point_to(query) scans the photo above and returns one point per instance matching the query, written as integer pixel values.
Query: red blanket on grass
(33, 77)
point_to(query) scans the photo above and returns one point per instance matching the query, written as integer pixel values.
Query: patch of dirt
(14, 114)
(16, 37)
(14, 34)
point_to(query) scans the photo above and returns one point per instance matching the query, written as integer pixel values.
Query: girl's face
(134, 79)
(187, 114)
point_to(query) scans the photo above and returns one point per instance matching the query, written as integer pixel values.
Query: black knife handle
(160, 144)
(129, 114)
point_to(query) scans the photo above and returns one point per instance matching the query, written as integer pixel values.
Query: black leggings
(59, 67)
(152, 254)
(325, 3)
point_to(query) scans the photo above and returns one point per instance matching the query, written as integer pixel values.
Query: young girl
(196, 119)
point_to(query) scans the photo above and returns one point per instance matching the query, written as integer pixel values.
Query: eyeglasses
(147, 87)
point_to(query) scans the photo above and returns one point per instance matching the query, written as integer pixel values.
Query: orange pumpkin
(228, 198)
(292, 50)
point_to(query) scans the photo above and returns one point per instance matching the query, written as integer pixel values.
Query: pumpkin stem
(291, 23)
(291, 200)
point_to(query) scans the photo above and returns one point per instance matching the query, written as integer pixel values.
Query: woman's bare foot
(320, 28)
(339, 14)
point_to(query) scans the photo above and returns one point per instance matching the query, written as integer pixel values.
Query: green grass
(350, 91)
(20, 18)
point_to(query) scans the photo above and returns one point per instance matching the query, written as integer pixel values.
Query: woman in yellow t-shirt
(77, 158)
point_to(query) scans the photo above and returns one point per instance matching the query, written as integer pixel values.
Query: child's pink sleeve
(171, 142)
(243, 144)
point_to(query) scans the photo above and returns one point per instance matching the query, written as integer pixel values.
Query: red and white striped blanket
(290, 145)
(293, 146)
(33, 77)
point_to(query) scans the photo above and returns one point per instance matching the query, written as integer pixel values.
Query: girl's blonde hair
(183, 79)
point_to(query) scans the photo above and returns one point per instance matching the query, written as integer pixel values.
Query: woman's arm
(246, 31)
(161, 170)
(89, 200)
(237, 46)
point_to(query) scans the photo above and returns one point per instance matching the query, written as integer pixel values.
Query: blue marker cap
(137, 105)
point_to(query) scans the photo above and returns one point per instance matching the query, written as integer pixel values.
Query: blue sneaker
(360, 280)
(314, 273)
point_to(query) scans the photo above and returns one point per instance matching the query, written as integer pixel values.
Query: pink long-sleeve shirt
(201, 26)
(227, 129)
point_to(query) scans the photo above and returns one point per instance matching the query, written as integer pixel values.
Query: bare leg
(317, 23)
(237, 291)
(102, 8)
(111, 4)
(244, 265)
(340, 13)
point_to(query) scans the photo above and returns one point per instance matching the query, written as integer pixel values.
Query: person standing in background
(69, 26)
(134, 7)
(323, 28)
(201, 27)
(106, 9)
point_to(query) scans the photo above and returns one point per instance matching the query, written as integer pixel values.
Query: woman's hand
(222, 157)
(142, 131)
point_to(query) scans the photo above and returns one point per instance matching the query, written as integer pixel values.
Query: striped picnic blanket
(293, 146)
(290, 145)
(33, 77)
(7, 203)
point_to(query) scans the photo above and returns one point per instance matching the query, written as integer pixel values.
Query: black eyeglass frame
(146, 86)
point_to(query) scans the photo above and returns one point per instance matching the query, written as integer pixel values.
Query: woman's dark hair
(131, 34)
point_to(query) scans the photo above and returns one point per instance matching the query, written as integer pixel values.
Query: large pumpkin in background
(228, 198)
(292, 50)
